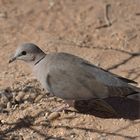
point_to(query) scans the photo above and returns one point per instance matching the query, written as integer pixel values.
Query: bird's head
(28, 52)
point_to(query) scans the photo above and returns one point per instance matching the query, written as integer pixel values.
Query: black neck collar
(39, 60)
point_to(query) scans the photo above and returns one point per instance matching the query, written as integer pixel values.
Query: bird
(73, 78)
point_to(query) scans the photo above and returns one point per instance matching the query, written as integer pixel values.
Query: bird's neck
(37, 60)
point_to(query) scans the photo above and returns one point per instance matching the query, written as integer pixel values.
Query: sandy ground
(105, 32)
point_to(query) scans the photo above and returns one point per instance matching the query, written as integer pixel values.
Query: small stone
(72, 135)
(53, 116)
(44, 123)
(104, 134)
(25, 102)
(3, 100)
(9, 105)
(121, 119)
(19, 97)
(47, 114)
(3, 121)
(38, 98)
(15, 106)
(3, 15)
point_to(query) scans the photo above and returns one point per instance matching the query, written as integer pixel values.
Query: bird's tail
(135, 95)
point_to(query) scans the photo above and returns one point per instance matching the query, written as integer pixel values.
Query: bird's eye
(23, 53)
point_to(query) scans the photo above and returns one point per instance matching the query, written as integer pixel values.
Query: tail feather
(135, 89)
(135, 95)
(123, 91)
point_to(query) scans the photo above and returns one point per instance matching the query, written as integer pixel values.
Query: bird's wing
(117, 85)
(73, 73)
(114, 75)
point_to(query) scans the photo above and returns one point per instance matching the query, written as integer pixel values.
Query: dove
(72, 78)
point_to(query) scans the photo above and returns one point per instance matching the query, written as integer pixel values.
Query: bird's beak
(12, 59)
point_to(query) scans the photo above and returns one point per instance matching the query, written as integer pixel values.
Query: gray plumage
(72, 78)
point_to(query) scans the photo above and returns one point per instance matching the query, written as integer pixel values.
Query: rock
(3, 15)
(9, 105)
(20, 96)
(3, 121)
(53, 116)
(47, 114)
(38, 98)
(3, 99)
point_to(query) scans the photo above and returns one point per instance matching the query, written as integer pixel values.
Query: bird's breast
(41, 75)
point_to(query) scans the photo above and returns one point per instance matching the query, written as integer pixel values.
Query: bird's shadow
(125, 108)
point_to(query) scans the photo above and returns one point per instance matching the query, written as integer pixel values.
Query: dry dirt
(105, 32)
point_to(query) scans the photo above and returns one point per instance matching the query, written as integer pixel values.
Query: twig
(133, 37)
(137, 14)
(119, 50)
(108, 22)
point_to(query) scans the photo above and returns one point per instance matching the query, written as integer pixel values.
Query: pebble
(3, 100)
(72, 135)
(3, 121)
(47, 114)
(45, 123)
(15, 106)
(121, 119)
(9, 105)
(53, 116)
(20, 96)
(38, 98)
(3, 15)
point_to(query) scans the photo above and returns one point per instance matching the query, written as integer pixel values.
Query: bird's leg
(68, 103)
(105, 106)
